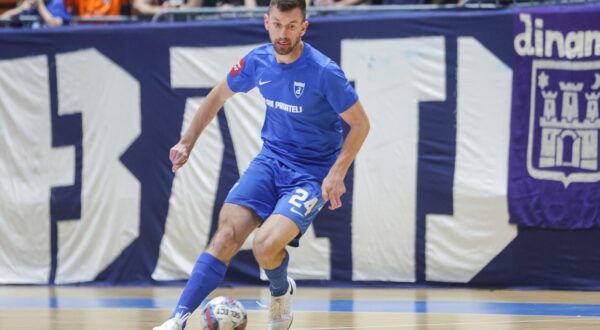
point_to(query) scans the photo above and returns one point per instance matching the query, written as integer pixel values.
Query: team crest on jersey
(298, 88)
(237, 68)
(564, 122)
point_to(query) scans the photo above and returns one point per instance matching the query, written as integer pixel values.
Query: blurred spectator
(234, 3)
(151, 7)
(53, 13)
(266, 3)
(345, 3)
(23, 7)
(87, 8)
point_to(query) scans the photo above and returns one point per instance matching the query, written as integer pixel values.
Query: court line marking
(449, 323)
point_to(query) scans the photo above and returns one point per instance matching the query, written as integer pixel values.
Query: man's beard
(285, 51)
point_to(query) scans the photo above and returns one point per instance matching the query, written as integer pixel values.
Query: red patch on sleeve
(237, 68)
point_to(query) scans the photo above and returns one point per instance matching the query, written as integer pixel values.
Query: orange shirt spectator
(87, 8)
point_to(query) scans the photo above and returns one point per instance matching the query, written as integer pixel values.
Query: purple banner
(554, 172)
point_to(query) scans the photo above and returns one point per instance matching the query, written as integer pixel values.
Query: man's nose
(283, 33)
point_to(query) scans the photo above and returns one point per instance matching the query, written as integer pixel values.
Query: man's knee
(224, 238)
(235, 224)
(266, 252)
(225, 243)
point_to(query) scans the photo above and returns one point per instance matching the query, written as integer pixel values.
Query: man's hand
(29, 4)
(333, 188)
(179, 155)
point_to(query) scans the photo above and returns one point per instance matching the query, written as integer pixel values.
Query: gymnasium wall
(481, 168)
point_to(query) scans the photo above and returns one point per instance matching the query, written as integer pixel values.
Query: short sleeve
(57, 8)
(241, 76)
(338, 91)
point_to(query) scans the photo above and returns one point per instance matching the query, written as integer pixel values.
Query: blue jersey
(302, 127)
(56, 7)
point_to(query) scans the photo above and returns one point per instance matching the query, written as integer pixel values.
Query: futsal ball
(224, 313)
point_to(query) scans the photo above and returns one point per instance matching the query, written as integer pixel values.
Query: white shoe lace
(180, 318)
(275, 309)
(175, 323)
(280, 308)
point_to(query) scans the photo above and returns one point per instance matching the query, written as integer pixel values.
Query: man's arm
(23, 6)
(208, 109)
(47, 16)
(145, 7)
(333, 185)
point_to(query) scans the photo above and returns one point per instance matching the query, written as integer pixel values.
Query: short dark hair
(287, 5)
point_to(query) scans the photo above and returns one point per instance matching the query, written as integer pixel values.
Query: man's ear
(266, 21)
(304, 27)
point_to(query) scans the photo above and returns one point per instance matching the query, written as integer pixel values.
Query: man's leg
(269, 250)
(235, 224)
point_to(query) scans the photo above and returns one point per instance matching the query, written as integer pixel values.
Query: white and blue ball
(224, 313)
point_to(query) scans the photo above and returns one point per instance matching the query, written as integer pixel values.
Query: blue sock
(278, 283)
(206, 276)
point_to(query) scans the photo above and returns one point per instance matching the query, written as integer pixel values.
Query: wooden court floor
(71, 308)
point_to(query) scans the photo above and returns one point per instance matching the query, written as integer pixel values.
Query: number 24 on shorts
(300, 197)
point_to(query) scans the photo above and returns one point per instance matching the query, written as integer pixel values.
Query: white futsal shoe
(175, 323)
(280, 311)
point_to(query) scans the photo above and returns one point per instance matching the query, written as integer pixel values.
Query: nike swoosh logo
(260, 82)
(297, 212)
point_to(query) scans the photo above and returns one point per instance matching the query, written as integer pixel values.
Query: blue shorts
(270, 187)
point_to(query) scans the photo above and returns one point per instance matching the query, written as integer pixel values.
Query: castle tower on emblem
(568, 141)
(592, 106)
(549, 104)
(570, 104)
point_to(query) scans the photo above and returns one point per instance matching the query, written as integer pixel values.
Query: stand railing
(195, 14)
